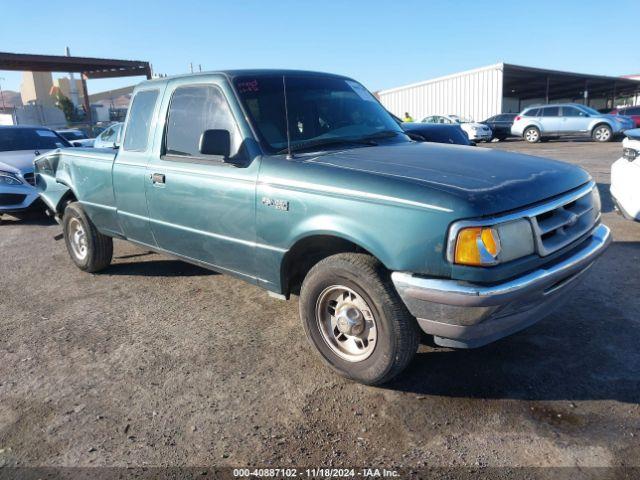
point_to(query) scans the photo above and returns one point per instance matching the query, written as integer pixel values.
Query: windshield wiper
(325, 142)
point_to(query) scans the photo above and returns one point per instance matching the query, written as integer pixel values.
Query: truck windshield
(322, 111)
(13, 139)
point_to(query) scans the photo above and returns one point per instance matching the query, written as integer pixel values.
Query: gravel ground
(155, 362)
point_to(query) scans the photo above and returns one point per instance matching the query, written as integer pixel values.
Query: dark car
(501, 125)
(633, 112)
(437, 133)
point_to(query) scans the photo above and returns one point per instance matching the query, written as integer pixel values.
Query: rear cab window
(534, 112)
(136, 137)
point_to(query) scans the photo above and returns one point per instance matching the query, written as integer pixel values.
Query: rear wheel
(532, 135)
(353, 316)
(90, 250)
(602, 133)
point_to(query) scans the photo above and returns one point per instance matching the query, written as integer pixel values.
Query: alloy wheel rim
(532, 135)
(346, 323)
(602, 134)
(78, 239)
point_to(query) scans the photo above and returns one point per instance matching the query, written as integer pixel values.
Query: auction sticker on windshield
(362, 92)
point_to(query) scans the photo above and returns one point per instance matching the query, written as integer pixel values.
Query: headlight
(8, 178)
(483, 246)
(630, 154)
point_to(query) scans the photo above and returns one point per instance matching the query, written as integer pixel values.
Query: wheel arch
(68, 197)
(600, 123)
(307, 251)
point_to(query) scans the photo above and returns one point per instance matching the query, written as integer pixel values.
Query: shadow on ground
(28, 218)
(156, 268)
(587, 350)
(605, 197)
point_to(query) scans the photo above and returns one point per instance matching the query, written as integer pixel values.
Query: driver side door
(202, 207)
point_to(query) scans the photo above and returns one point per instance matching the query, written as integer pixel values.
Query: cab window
(193, 110)
(551, 112)
(136, 136)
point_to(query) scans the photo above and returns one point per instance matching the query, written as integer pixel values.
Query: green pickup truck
(303, 184)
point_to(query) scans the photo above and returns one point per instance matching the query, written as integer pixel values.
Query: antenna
(286, 117)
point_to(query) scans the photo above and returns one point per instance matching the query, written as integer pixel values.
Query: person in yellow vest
(407, 117)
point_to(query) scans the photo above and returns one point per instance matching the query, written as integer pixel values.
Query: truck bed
(87, 169)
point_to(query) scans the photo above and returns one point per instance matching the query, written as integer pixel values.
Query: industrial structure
(505, 88)
(41, 66)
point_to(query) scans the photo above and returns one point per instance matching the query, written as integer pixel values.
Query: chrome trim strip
(454, 292)
(97, 205)
(526, 214)
(344, 192)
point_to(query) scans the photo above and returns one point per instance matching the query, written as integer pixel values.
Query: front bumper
(18, 198)
(625, 178)
(465, 315)
(473, 136)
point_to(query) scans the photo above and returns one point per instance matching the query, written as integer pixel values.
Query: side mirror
(215, 142)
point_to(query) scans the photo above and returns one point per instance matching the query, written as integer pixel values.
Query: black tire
(602, 133)
(531, 134)
(398, 334)
(98, 248)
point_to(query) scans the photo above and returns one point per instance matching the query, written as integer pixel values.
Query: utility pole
(73, 89)
(191, 66)
(1, 93)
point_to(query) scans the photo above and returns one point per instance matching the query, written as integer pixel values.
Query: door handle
(157, 177)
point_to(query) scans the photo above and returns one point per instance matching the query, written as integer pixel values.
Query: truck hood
(17, 161)
(491, 181)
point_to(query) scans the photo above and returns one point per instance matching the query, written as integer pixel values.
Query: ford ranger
(303, 184)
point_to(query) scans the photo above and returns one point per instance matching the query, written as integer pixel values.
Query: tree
(66, 105)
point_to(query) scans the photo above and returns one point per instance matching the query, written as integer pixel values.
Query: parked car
(76, 137)
(542, 122)
(475, 131)
(625, 177)
(19, 145)
(437, 133)
(633, 112)
(110, 137)
(325, 197)
(500, 125)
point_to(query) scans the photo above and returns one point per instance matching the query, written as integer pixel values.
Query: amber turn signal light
(477, 246)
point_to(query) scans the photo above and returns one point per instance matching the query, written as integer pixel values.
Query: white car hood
(17, 161)
(631, 143)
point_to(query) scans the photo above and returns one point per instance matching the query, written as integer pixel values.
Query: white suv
(538, 123)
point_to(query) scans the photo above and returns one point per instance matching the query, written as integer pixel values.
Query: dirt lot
(156, 362)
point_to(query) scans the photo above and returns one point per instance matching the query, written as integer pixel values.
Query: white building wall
(476, 94)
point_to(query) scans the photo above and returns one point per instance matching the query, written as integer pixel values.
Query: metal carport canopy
(527, 83)
(89, 67)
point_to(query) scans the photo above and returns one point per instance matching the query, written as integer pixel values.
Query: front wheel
(532, 135)
(353, 316)
(90, 250)
(602, 133)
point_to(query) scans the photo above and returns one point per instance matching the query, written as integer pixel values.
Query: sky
(382, 44)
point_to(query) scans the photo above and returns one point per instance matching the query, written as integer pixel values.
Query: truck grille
(565, 220)
(30, 178)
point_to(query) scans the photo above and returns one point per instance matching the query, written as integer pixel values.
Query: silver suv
(541, 122)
